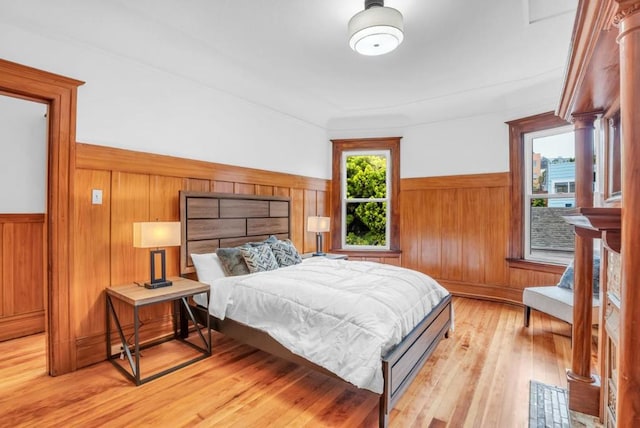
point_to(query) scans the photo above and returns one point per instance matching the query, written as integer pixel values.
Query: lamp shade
(156, 234)
(318, 224)
(376, 30)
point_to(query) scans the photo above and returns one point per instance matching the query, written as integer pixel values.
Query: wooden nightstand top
(137, 295)
(333, 256)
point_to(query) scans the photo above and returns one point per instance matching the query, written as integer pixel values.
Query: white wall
(184, 107)
(471, 145)
(474, 145)
(132, 105)
(472, 140)
(23, 159)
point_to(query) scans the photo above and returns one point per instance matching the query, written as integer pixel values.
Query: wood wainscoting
(140, 186)
(22, 267)
(453, 228)
(456, 229)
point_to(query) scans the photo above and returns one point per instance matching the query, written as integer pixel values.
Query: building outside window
(549, 193)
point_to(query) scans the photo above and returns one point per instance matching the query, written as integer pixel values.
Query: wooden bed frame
(215, 220)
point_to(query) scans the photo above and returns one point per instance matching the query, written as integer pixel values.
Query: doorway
(23, 166)
(60, 94)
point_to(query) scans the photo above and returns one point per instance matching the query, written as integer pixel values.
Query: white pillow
(208, 267)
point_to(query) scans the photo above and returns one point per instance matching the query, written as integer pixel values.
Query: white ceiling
(459, 58)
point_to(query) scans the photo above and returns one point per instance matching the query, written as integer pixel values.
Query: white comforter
(341, 315)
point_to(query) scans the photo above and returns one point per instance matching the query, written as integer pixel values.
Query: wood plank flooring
(479, 377)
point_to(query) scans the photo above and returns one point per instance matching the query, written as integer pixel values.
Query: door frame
(60, 93)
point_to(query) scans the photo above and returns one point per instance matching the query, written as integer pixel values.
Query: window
(564, 187)
(365, 181)
(534, 214)
(365, 189)
(549, 193)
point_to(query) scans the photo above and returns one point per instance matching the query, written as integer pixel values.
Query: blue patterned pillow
(285, 253)
(566, 280)
(259, 258)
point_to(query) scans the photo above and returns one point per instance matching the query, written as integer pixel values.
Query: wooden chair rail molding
(21, 218)
(90, 156)
(495, 179)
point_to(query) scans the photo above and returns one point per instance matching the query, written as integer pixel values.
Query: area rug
(548, 406)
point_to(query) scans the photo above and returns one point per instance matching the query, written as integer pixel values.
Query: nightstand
(332, 256)
(137, 297)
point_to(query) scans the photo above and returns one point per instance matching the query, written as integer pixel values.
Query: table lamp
(155, 235)
(318, 225)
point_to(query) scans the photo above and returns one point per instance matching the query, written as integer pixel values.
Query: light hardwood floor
(479, 377)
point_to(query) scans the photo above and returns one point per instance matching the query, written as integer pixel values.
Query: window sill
(369, 253)
(536, 266)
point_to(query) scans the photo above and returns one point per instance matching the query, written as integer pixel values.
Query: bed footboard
(401, 365)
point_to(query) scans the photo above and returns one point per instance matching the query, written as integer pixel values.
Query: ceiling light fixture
(376, 30)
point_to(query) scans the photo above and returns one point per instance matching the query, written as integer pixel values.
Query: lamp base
(319, 251)
(158, 284)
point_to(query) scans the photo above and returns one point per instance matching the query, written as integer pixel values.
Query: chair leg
(527, 315)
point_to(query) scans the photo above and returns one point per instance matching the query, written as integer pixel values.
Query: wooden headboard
(217, 220)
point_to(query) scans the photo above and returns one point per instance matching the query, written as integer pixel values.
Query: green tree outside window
(366, 192)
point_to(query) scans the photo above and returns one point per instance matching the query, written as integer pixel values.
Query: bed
(210, 221)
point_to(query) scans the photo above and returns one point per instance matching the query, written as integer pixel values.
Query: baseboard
(584, 397)
(21, 325)
(482, 291)
(92, 349)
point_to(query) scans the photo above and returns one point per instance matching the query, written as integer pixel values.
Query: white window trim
(344, 200)
(528, 195)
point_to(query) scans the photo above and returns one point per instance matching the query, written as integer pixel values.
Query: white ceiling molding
(540, 10)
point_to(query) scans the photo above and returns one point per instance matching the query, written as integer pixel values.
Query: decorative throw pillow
(270, 240)
(566, 280)
(285, 253)
(208, 267)
(259, 258)
(232, 261)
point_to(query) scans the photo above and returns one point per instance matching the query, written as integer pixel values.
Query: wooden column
(584, 388)
(628, 403)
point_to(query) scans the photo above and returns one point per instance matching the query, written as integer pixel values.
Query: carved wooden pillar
(584, 388)
(628, 403)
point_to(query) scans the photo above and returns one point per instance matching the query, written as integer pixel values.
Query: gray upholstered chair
(557, 300)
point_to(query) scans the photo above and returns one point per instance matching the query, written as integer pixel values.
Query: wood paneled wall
(453, 228)
(456, 229)
(144, 187)
(22, 267)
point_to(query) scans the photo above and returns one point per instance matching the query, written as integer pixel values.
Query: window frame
(517, 129)
(366, 146)
(528, 195)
